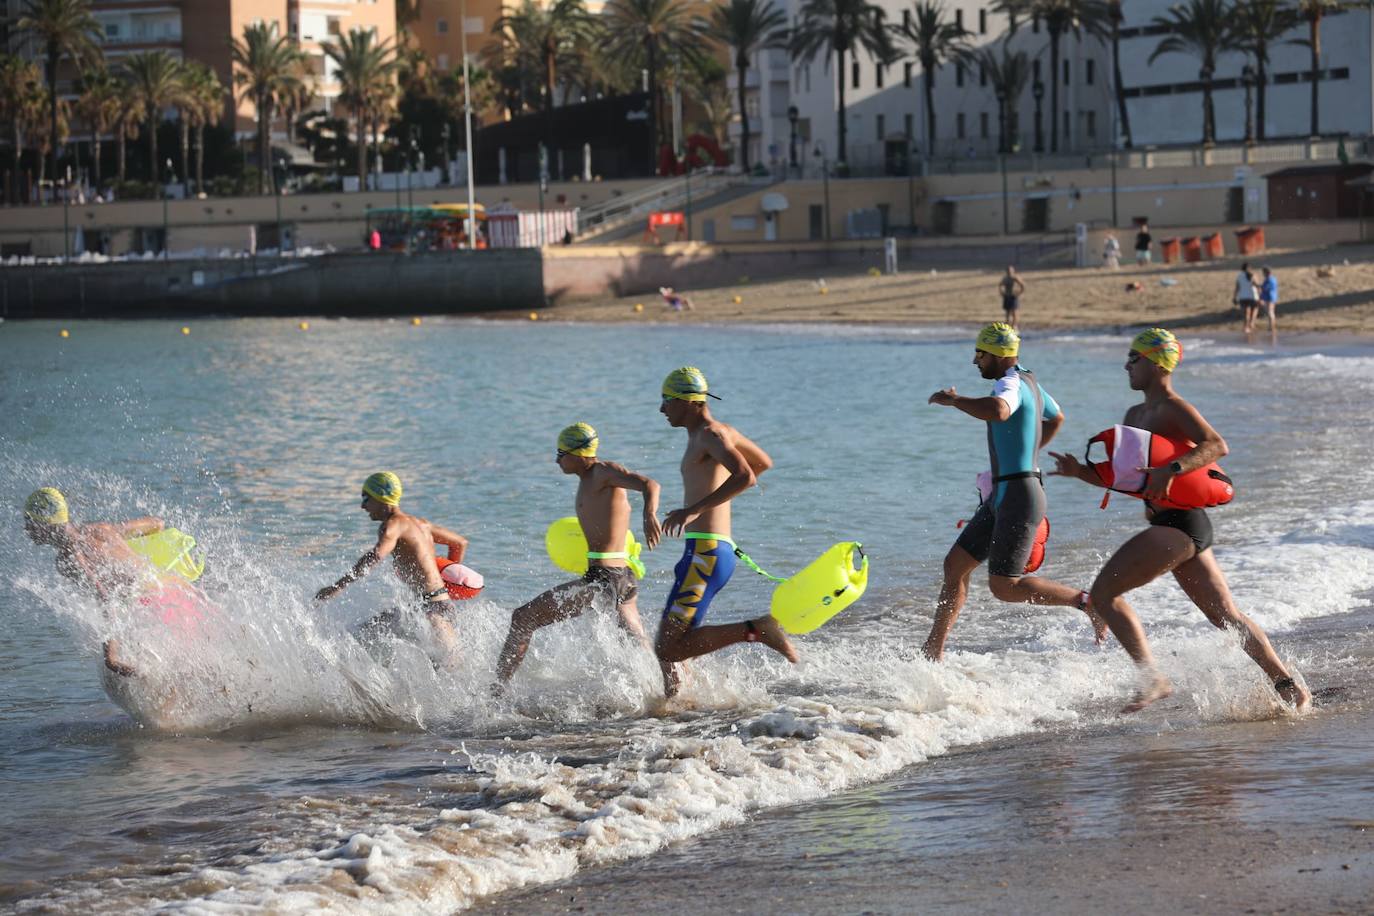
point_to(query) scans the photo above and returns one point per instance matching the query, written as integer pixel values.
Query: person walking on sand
(1247, 297)
(1142, 244)
(603, 511)
(409, 540)
(1269, 298)
(1111, 252)
(1021, 417)
(719, 464)
(1177, 540)
(1011, 289)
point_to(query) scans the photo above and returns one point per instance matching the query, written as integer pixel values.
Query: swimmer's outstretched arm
(137, 527)
(626, 479)
(991, 408)
(386, 543)
(457, 544)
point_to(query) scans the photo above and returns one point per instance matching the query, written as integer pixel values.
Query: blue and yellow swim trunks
(708, 561)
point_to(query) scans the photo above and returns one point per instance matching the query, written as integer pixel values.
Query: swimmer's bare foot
(771, 634)
(1158, 688)
(1293, 693)
(1100, 628)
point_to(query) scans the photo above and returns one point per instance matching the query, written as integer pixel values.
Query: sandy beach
(1325, 291)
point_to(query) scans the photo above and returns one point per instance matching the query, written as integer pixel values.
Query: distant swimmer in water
(1177, 540)
(95, 555)
(603, 511)
(1021, 418)
(719, 464)
(410, 540)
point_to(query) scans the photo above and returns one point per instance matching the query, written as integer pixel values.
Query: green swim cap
(579, 440)
(999, 339)
(385, 487)
(686, 384)
(47, 505)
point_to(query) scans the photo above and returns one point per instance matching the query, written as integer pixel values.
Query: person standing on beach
(1111, 252)
(1142, 244)
(719, 464)
(603, 511)
(1021, 417)
(1269, 298)
(410, 541)
(1247, 297)
(1011, 289)
(1177, 540)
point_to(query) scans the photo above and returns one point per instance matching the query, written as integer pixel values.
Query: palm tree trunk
(929, 83)
(1261, 56)
(185, 150)
(1121, 109)
(152, 149)
(1054, 92)
(1314, 27)
(264, 143)
(361, 117)
(51, 66)
(12, 186)
(839, 82)
(1209, 126)
(743, 69)
(120, 155)
(95, 154)
(200, 158)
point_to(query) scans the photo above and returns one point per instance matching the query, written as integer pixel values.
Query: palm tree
(63, 28)
(154, 83)
(1060, 18)
(1008, 72)
(705, 79)
(746, 27)
(1314, 11)
(642, 30)
(20, 95)
(1258, 24)
(203, 105)
(127, 118)
(366, 73)
(841, 28)
(1115, 16)
(1202, 28)
(98, 105)
(39, 130)
(933, 40)
(544, 38)
(265, 66)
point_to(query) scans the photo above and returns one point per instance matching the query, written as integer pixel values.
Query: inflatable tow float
(1131, 452)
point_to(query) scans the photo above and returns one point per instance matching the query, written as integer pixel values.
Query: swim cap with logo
(686, 384)
(579, 440)
(47, 505)
(385, 487)
(999, 339)
(1160, 347)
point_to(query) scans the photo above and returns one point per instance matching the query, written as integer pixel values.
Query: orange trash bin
(1212, 244)
(1192, 249)
(1168, 250)
(1250, 240)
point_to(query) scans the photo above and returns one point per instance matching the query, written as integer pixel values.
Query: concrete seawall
(337, 284)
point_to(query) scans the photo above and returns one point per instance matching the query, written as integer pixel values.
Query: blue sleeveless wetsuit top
(1013, 442)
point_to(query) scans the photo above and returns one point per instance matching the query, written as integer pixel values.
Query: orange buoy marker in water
(415, 322)
(304, 325)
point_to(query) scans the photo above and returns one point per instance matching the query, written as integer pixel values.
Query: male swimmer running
(719, 464)
(1177, 540)
(410, 541)
(603, 511)
(94, 555)
(1021, 418)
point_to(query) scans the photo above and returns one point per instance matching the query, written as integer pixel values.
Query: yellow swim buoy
(185, 330)
(639, 306)
(171, 551)
(304, 325)
(824, 290)
(534, 316)
(415, 322)
(821, 590)
(567, 547)
(64, 333)
(738, 300)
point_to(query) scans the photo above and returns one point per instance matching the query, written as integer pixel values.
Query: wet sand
(1326, 291)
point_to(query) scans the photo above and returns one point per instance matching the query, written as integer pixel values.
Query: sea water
(269, 760)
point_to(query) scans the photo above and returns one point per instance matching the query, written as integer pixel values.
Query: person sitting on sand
(603, 511)
(410, 541)
(1177, 540)
(95, 555)
(719, 464)
(1021, 418)
(675, 300)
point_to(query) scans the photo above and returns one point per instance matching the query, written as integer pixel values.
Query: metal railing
(625, 208)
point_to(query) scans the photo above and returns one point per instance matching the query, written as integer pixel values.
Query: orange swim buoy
(1131, 451)
(462, 582)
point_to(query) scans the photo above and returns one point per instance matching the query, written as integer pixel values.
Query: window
(959, 74)
(332, 25)
(906, 74)
(959, 18)
(906, 19)
(959, 125)
(1066, 73)
(806, 76)
(982, 75)
(442, 26)
(111, 30)
(878, 75)
(983, 124)
(1088, 72)
(982, 22)
(1090, 125)
(882, 127)
(1035, 25)
(1068, 127)
(906, 125)
(854, 75)
(443, 63)
(1035, 70)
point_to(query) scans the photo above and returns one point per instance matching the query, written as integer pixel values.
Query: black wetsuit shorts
(1004, 536)
(1192, 522)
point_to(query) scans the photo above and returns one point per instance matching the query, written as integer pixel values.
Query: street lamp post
(1247, 79)
(467, 127)
(166, 237)
(1002, 155)
(448, 179)
(1038, 92)
(66, 218)
(825, 185)
(792, 115)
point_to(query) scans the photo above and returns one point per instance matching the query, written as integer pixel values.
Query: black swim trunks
(1005, 535)
(620, 580)
(1011, 303)
(1192, 522)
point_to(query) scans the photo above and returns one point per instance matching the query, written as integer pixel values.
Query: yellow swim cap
(686, 384)
(385, 487)
(47, 505)
(578, 439)
(999, 339)
(1160, 347)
